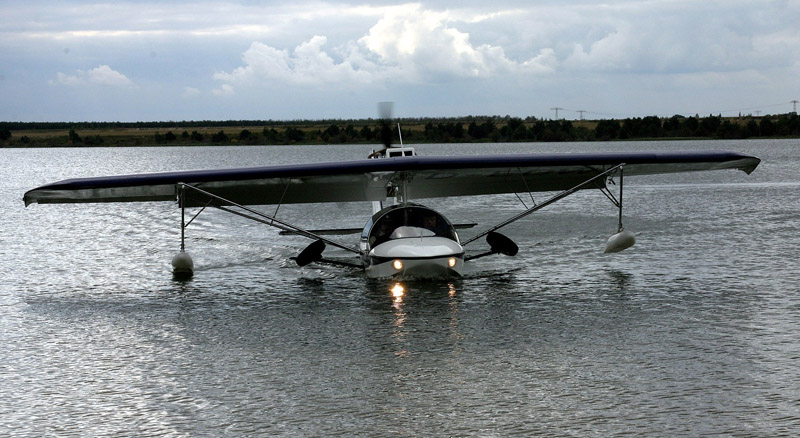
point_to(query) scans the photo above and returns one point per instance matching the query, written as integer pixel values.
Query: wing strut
(552, 200)
(622, 239)
(182, 263)
(262, 218)
(617, 202)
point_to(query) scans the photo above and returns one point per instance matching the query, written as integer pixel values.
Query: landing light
(397, 264)
(451, 262)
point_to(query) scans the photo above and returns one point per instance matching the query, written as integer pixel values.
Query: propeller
(385, 112)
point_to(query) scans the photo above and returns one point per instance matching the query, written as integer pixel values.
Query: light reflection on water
(691, 332)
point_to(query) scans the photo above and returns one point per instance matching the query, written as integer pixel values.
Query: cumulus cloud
(422, 43)
(407, 44)
(308, 63)
(101, 75)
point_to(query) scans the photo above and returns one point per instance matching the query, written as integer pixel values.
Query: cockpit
(406, 221)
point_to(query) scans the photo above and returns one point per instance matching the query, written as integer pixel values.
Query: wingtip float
(619, 242)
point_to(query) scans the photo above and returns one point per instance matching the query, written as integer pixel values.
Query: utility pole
(794, 106)
(556, 110)
(581, 113)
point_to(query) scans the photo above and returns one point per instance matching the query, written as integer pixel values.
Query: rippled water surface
(694, 331)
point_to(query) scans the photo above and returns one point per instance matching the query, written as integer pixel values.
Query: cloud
(678, 37)
(63, 79)
(611, 52)
(104, 75)
(307, 64)
(101, 75)
(408, 44)
(224, 90)
(422, 44)
(440, 56)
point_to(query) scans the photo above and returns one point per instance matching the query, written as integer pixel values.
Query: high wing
(377, 179)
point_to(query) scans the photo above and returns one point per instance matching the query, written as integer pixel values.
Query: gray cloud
(517, 57)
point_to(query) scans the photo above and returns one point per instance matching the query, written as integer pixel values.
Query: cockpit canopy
(406, 221)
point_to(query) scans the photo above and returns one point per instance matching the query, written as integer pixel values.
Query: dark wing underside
(374, 180)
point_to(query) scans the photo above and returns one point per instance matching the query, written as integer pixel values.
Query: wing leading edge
(374, 180)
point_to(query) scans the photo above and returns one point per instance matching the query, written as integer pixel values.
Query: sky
(309, 59)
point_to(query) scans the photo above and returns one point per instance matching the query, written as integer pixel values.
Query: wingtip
(753, 162)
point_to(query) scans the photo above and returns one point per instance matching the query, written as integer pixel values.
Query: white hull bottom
(418, 268)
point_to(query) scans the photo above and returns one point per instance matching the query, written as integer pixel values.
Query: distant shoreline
(471, 129)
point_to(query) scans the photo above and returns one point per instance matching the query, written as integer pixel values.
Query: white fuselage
(411, 241)
(424, 257)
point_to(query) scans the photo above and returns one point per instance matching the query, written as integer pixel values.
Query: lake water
(694, 331)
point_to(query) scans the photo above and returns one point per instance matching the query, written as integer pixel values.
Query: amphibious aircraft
(402, 238)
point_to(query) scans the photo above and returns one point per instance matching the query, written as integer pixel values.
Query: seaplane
(403, 238)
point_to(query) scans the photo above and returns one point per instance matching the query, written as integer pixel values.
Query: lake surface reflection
(694, 331)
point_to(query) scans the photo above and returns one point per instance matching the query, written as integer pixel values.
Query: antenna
(556, 110)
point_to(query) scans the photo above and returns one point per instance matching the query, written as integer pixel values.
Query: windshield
(407, 222)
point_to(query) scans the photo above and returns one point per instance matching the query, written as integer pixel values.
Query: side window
(367, 228)
(382, 230)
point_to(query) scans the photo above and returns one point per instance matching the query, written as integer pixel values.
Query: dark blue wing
(371, 180)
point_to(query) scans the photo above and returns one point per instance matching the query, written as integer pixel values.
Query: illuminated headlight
(451, 262)
(397, 264)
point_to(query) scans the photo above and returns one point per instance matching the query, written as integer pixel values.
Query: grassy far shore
(445, 130)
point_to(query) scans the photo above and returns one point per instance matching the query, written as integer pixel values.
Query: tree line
(172, 124)
(445, 130)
